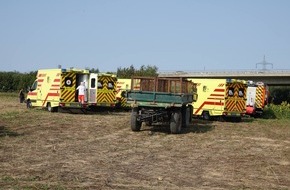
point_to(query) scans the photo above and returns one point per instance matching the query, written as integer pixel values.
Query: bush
(277, 111)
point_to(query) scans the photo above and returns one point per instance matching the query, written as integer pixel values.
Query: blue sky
(174, 35)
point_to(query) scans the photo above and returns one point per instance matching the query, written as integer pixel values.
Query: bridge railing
(227, 72)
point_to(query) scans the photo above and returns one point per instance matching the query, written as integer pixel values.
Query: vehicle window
(93, 83)
(231, 92)
(34, 86)
(110, 85)
(241, 92)
(100, 85)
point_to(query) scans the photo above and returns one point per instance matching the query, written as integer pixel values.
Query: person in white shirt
(82, 89)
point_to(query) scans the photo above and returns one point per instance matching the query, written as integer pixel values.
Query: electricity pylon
(264, 63)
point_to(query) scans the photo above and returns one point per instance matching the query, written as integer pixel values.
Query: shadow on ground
(4, 131)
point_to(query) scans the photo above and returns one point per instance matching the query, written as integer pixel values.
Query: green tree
(149, 71)
(93, 70)
(280, 94)
(14, 81)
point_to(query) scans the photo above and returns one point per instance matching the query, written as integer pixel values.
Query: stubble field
(42, 150)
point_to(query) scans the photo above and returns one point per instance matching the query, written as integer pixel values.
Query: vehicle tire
(175, 122)
(186, 117)
(28, 103)
(205, 115)
(190, 107)
(135, 125)
(183, 114)
(51, 109)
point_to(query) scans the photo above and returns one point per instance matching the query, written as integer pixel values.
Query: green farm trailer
(159, 99)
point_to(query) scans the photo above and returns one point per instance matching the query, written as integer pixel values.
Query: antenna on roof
(264, 63)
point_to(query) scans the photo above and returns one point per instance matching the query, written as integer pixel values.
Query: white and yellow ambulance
(220, 98)
(54, 88)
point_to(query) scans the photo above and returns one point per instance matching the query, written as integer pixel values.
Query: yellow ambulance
(257, 98)
(121, 87)
(221, 98)
(54, 88)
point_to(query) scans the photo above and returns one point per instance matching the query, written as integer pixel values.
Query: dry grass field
(42, 150)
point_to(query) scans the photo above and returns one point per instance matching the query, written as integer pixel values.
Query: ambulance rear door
(251, 96)
(93, 88)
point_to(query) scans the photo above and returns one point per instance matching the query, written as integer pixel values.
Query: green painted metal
(159, 99)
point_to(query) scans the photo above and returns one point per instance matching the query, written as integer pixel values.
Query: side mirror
(29, 89)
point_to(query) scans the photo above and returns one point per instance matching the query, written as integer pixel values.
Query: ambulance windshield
(34, 86)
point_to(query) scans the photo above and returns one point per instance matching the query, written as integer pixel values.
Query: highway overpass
(270, 77)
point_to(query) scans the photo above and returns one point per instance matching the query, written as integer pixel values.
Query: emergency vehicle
(257, 98)
(122, 86)
(54, 88)
(222, 98)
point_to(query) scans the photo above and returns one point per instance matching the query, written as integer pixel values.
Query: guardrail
(283, 72)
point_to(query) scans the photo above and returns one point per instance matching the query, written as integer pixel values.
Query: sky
(173, 35)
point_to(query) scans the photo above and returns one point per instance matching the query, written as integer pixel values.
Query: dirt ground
(42, 150)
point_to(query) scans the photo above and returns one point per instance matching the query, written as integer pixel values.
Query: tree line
(14, 81)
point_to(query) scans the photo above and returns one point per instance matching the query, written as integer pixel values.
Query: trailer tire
(175, 122)
(190, 113)
(135, 125)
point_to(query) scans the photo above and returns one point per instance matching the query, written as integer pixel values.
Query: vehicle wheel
(28, 103)
(51, 109)
(175, 122)
(135, 125)
(190, 107)
(186, 117)
(205, 115)
(183, 114)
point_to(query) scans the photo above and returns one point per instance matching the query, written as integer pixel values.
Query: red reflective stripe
(217, 95)
(49, 94)
(32, 93)
(41, 75)
(209, 103)
(219, 90)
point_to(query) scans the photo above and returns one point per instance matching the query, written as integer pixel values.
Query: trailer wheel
(187, 116)
(190, 107)
(135, 125)
(175, 122)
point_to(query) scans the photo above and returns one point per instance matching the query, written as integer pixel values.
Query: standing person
(21, 96)
(82, 89)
